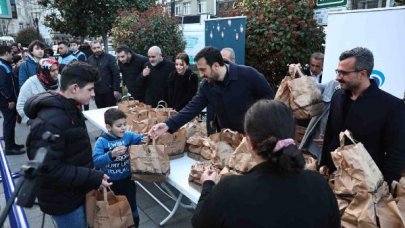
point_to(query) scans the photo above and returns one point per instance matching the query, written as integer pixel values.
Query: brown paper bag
(310, 162)
(109, 210)
(174, 143)
(143, 126)
(241, 159)
(221, 155)
(195, 128)
(197, 170)
(368, 210)
(137, 115)
(355, 169)
(399, 189)
(149, 162)
(300, 94)
(127, 103)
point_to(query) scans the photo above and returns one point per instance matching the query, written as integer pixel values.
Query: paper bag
(355, 169)
(241, 159)
(300, 94)
(105, 210)
(127, 103)
(174, 143)
(197, 170)
(149, 162)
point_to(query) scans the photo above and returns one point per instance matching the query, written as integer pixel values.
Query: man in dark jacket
(131, 66)
(153, 78)
(67, 172)
(65, 55)
(374, 117)
(107, 89)
(231, 89)
(8, 99)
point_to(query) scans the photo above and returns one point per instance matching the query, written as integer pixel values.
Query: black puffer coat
(67, 173)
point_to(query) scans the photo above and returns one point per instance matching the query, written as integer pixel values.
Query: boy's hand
(145, 139)
(117, 151)
(104, 182)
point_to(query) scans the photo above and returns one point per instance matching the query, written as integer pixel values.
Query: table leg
(173, 211)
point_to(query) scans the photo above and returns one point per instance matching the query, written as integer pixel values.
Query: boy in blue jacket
(112, 157)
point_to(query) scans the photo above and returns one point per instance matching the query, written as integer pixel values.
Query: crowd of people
(49, 93)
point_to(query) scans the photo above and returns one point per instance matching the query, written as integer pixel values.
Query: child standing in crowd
(111, 155)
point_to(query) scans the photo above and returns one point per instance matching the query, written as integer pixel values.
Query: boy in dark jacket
(67, 172)
(111, 155)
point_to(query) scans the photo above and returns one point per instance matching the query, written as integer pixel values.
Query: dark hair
(123, 48)
(37, 43)
(364, 58)
(74, 42)
(184, 57)
(211, 55)
(113, 114)
(16, 58)
(49, 52)
(64, 43)
(78, 72)
(4, 49)
(14, 45)
(266, 122)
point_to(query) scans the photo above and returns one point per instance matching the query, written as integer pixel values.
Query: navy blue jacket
(27, 69)
(80, 56)
(8, 85)
(376, 119)
(231, 98)
(109, 73)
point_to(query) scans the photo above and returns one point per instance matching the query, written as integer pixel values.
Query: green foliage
(27, 35)
(87, 18)
(141, 30)
(279, 33)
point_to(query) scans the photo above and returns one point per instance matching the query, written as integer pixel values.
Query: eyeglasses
(344, 73)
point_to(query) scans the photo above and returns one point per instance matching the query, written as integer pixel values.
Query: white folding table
(178, 178)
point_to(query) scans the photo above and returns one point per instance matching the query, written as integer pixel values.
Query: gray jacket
(317, 125)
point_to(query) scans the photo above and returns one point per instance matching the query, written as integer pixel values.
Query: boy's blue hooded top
(117, 168)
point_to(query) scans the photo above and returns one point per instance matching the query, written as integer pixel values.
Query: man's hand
(145, 139)
(209, 174)
(11, 105)
(146, 71)
(117, 95)
(104, 182)
(158, 130)
(117, 151)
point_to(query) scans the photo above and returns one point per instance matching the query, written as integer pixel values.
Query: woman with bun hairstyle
(277, 192)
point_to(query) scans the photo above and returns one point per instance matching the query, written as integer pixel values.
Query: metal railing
(17, 218)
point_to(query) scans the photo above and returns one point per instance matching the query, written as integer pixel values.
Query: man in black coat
(231, 89)
(375, 117)
(131, 66)
(108, 88)
(153, 78)
(8, 100)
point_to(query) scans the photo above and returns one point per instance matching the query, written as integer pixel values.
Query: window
(186, 8)
(177, 9)
(202, 6)
(21, 26)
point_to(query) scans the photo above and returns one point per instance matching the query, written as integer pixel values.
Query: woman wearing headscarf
(277, 192)
(46, 79)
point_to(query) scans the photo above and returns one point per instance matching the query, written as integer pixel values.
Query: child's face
(118, 127)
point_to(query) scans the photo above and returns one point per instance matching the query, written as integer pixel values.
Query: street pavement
(151, 213)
